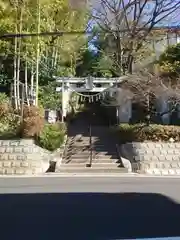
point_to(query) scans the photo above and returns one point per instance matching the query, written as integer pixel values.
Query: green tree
(24, 58)
(93, 60)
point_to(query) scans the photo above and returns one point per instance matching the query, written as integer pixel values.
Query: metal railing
(90, 148)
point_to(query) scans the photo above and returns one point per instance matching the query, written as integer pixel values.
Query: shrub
(52, 136)
(32, 123)
(142, 132)
(169, 60)
(9, 126)
(31, 111)
(4, 105)
(9, 121)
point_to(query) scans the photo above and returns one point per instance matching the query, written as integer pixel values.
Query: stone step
(82, 155)
(79, 151)
(105, 153)
(95, 145)
(75, 151)
(86, 151)
(77, 156)
(83, 139)
(104, 147)
(96, 165)
(76, 170)
(82, 160)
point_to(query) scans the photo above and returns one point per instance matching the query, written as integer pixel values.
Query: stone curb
(119, 175)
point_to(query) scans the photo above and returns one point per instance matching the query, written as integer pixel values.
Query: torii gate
(87, 84)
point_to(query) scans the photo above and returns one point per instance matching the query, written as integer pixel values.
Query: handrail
(65, 149)
(90, 147)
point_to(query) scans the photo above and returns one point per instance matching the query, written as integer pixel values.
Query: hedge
(153, 132)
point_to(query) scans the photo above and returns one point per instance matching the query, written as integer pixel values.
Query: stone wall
(158, 158)
(23, 157)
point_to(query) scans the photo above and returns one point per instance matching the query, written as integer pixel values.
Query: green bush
(4, 105)
(52, 136)
(142, 132)
(171, 54)
(169, 60)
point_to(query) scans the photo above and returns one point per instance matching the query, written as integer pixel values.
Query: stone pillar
(65, 100)
(125, 111)
(163, 106)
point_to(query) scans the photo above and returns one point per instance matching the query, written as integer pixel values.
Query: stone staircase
(105, 159)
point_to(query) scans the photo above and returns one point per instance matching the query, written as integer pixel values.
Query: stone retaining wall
(23, 157)
(153, 157)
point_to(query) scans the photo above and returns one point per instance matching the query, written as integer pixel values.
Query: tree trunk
(55, 58)
(130, 58)
(19, 59)
(148, 116)
(32, 83)
(26, 81)
(15, 61)
(37, 52)
(15, 71)
(130, 63)
(119, 56)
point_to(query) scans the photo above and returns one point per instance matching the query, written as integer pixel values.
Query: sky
(171, 21)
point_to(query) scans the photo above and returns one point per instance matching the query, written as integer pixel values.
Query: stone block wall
(22, 157)
(153, 157)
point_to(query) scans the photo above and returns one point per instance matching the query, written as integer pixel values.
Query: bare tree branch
(138, 19)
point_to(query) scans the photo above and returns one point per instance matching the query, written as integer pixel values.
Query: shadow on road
(88, 216)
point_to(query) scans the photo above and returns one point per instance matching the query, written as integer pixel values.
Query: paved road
(89, 208)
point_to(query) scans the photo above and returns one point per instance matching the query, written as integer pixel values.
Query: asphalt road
(89, 208)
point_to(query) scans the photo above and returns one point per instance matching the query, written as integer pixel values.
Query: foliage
(4, 105)
(9, 126)
(32, 123)
(94, 61)
(55, 51)
(94, 64)
(49, 98)
(3, 98)
(169, 61)
(153, 132)
(9, 121)
(171, 55)
(52, 136)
